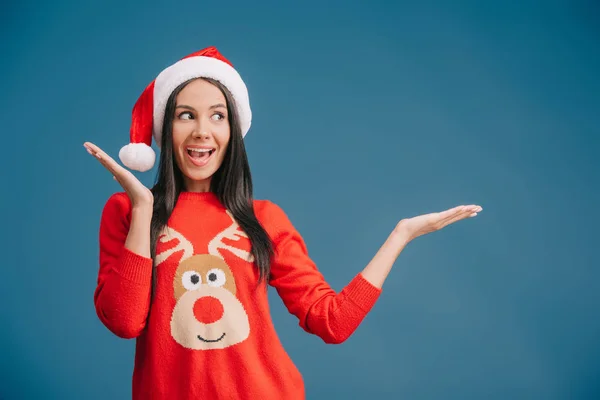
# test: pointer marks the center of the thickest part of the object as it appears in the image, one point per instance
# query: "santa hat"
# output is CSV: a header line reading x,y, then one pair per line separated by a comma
x,y
149,110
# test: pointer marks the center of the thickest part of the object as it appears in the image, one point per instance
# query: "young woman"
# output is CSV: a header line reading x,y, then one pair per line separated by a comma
x,y
184,266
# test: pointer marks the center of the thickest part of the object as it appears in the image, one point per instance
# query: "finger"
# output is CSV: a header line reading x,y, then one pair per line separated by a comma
x,y
476,210
91,148
450,212
449,215
458,217
106,160
97,151
94,150
437,219
467,212
453,212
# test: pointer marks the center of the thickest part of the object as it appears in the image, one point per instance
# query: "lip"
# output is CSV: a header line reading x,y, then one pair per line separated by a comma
x,y
203,162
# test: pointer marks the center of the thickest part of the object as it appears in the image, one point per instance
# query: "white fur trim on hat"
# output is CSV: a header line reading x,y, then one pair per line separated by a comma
x,y
137,156
194,67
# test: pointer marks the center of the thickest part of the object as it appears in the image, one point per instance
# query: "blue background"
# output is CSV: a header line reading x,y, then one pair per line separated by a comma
x,y
364,113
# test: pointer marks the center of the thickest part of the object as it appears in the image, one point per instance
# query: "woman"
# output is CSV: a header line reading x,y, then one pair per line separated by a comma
x,y
183,266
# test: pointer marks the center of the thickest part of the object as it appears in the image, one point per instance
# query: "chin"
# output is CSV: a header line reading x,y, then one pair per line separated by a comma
x,y
199,177
197,173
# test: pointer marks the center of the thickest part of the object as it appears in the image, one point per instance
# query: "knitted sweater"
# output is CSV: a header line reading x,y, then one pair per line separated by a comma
x,y
208,333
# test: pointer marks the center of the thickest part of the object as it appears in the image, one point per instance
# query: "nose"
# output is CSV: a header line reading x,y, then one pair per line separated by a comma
x,y
208,309
201,134
202,129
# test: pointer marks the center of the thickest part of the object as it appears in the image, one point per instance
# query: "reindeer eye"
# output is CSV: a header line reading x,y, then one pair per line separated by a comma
x,y
215,277
191,280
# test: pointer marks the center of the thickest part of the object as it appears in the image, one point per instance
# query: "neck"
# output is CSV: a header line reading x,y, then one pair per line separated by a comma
x,y
202,186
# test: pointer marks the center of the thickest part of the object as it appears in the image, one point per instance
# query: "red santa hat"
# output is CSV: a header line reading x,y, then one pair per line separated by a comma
x,y
149,110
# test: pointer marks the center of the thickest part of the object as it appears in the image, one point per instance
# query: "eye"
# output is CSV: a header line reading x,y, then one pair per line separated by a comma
x,y
185,115
191,280
218,117
215,277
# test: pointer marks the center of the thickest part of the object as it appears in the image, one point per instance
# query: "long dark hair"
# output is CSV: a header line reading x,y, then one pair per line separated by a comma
x,y
231,183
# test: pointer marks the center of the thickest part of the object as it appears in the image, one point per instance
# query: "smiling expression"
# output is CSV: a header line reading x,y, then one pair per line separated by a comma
x,y
207,315
201,133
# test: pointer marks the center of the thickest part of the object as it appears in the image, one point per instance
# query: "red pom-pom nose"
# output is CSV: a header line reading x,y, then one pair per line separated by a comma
x,y
208,309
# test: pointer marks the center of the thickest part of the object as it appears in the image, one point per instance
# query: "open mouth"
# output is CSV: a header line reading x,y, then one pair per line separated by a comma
x,y
211,341
200,157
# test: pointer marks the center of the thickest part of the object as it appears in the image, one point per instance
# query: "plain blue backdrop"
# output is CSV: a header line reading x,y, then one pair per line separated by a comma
x,y
364,113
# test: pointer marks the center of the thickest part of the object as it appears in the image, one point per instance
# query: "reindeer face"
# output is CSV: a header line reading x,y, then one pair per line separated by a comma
x,y
207,314
202,269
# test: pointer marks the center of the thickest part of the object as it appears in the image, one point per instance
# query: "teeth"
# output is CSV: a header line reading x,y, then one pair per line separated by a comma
x,y
200,150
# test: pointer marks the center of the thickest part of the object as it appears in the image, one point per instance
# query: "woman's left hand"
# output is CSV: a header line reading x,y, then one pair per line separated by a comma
x,y
412,228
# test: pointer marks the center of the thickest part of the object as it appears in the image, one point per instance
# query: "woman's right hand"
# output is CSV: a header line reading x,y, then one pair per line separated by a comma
x,y
139,194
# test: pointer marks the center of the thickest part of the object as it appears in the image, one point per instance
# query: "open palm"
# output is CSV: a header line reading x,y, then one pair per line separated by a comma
x,y
139,194
427,223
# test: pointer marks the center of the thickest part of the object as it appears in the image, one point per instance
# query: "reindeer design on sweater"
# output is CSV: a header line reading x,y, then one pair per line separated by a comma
x,y
207,314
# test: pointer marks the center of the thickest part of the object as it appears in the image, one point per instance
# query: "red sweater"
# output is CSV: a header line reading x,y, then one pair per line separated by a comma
x,y
208,333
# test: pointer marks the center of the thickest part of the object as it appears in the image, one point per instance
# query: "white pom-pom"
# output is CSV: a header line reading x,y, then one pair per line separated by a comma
x,y
137,156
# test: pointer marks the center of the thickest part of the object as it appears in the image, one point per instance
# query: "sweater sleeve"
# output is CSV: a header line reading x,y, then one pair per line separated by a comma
x,y
122,295
320,310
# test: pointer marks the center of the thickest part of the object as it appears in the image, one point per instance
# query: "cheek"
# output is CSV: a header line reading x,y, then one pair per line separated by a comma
x,y
222,137
179,136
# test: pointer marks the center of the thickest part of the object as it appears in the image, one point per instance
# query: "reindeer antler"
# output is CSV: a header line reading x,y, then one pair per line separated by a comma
x,y
233,233
168,234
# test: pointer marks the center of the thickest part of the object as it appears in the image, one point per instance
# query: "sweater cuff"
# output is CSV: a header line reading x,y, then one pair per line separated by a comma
x,y
134,267
362,293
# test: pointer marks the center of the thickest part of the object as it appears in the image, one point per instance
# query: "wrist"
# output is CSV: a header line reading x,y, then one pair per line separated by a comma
x,y
142,210
400,237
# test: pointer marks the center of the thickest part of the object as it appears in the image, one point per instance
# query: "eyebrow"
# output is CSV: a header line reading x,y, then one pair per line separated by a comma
x,y
219,105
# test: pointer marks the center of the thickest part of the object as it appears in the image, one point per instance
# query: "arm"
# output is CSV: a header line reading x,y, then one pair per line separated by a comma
x,y
122,295
378,269
320,310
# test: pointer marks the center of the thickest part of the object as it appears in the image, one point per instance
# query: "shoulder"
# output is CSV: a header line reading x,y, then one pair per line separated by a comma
x,y
267,209
272,217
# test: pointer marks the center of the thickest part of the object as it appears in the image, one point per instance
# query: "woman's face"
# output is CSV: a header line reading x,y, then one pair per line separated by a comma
x,y
200,133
